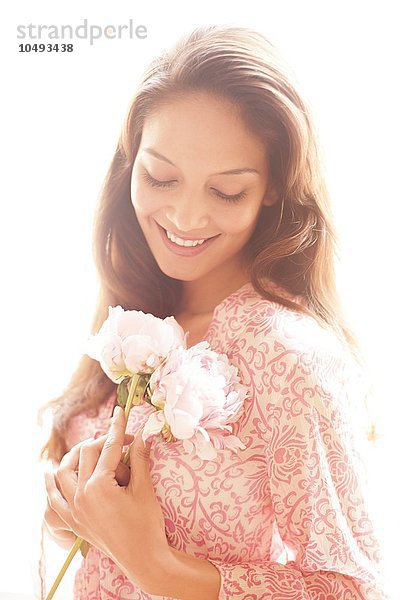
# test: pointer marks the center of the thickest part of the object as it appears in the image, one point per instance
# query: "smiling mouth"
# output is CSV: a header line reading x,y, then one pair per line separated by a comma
x,y
182,250
208,238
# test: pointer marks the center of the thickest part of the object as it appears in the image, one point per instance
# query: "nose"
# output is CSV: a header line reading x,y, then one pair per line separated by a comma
x,y
188,217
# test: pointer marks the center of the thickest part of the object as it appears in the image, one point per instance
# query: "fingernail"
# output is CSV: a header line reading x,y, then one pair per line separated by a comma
x,y
117,410
88,440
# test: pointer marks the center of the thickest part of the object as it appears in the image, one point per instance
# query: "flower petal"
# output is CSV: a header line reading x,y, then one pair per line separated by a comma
x,y
154,424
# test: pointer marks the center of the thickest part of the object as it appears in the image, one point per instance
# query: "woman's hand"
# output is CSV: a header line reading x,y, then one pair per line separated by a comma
x,y
125,523
57,528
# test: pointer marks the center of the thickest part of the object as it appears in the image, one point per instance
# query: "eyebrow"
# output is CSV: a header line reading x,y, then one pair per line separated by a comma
x,y
229,172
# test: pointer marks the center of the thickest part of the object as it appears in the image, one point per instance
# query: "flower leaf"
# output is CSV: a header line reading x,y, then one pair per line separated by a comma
x,y
84,548
122,392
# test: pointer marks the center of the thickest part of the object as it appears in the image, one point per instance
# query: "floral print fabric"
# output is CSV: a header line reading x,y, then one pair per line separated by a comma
x,y
286,518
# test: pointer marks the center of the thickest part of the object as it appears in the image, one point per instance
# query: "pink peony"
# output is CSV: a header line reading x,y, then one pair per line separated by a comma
x,y
131,341
197,394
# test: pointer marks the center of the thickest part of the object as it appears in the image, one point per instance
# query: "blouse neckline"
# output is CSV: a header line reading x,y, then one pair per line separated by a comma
x,y
248,285
219,306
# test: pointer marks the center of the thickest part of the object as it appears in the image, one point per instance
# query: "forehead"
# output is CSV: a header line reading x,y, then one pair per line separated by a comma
x,y
203,128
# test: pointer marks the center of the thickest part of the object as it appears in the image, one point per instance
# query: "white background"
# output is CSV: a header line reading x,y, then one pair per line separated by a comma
x,y
60,120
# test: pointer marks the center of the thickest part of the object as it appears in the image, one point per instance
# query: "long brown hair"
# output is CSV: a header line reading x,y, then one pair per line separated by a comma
x,y
294,243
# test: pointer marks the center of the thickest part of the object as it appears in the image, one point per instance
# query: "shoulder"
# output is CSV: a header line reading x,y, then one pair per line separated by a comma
x,y
247,319
283,351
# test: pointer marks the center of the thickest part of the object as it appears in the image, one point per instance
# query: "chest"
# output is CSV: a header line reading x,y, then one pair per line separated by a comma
x,y
211,505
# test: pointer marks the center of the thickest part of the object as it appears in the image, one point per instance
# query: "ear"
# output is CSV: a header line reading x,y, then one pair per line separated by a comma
x,y
269,199
270,196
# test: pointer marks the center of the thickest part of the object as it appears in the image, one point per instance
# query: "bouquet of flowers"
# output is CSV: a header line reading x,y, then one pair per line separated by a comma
x,y
195,392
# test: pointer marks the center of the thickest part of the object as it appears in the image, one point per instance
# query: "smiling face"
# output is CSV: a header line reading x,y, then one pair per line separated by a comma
x,y
180,181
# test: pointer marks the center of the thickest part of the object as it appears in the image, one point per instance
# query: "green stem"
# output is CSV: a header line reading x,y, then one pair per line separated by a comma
x,y
132,394
65,566
134,397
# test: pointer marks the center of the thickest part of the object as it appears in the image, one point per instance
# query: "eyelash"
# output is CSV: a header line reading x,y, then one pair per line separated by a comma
x,y
163,184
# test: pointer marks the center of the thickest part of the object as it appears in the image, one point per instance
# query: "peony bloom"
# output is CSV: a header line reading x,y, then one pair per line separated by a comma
x,y
197,394
131,341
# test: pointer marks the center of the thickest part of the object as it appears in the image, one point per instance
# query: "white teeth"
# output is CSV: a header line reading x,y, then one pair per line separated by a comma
x,y
181,242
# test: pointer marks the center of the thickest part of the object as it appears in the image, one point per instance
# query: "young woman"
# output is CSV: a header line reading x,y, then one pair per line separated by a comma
x,y
215,211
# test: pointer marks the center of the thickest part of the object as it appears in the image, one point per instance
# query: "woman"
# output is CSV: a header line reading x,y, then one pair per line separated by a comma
x,y
215,211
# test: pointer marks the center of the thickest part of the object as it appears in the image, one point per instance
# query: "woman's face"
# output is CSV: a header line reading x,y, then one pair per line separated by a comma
x,y
180,183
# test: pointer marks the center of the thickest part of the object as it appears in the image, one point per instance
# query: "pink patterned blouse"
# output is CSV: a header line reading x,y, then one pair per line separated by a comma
x,y
286,518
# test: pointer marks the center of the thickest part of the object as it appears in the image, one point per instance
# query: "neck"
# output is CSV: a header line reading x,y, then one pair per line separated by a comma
x,y
201,296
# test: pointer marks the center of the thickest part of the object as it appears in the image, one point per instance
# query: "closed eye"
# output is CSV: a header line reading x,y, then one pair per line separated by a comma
x,y
155,182
232,198
166,184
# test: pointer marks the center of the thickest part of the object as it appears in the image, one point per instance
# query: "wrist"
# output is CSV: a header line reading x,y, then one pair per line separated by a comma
x,y
182,575
150,572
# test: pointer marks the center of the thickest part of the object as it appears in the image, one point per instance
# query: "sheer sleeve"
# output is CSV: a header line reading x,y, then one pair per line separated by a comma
x,y
301,390
81,426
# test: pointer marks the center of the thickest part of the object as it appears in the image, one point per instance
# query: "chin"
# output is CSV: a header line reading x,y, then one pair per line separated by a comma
x,y
182,274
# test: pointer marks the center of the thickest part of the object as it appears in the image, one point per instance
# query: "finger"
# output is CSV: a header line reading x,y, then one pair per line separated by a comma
x,y
66,475
62,536
88,459
55,498
110,455
101,438
53,519
56,526
68,472
139,461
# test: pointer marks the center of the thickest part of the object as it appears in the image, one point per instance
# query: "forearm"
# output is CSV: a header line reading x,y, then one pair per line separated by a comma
x,y
181,576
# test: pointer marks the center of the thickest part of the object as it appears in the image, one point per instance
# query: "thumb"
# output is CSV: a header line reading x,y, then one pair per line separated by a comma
x,y
139,460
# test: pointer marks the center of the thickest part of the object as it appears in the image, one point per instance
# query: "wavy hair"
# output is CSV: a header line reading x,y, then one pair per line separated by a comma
x,y
294,243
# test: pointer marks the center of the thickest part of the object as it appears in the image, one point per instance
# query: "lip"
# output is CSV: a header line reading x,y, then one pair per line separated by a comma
x,y
184,250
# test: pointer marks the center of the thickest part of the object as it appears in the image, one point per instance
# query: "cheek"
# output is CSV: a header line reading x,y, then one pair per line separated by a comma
x,y
143,201
238,220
